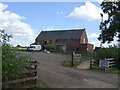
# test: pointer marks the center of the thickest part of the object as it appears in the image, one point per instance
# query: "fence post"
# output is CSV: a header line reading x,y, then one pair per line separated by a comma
x,y
72,60
90,63
36,68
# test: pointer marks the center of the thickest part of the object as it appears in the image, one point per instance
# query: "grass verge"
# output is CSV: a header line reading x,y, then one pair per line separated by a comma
x,y
42,84
99,69
19,48
67,63
63,53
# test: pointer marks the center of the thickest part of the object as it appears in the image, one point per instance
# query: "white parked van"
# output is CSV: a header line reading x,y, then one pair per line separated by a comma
x,y
34,48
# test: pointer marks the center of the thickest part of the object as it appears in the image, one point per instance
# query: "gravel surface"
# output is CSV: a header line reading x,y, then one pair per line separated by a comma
x,y
51,71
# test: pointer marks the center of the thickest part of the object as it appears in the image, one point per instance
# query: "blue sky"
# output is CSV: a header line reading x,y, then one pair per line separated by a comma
x,y
42,15
25,20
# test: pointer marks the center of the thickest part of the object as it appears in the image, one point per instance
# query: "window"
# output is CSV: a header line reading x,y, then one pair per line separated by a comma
x,y
77,49
64,48
83,40
46,42
87,49
32,46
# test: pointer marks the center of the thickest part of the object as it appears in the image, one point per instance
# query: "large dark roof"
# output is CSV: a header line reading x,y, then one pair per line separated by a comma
x,y
60,34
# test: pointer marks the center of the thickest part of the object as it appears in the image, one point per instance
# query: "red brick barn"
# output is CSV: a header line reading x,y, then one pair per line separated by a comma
x,y
66,40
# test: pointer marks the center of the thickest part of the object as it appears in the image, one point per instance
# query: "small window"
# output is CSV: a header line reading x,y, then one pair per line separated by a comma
x,y
83,40
77,49
64,48
46,42
87,49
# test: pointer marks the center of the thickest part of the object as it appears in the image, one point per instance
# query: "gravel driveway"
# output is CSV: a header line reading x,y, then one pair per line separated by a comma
x,y
51,71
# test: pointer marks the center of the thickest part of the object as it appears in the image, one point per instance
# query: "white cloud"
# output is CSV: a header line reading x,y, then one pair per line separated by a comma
x,y
92,38
2,7
12,24
88,12
100,1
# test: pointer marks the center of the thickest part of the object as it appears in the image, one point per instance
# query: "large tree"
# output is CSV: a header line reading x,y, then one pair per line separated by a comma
x,y
110,28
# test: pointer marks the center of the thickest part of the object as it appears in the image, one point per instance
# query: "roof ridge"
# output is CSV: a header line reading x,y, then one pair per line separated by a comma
x,y
65,30
61,34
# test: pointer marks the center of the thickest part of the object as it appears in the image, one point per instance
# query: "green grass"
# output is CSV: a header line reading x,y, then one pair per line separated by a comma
x,y
42,84
63,53
67,63
99,69
19,48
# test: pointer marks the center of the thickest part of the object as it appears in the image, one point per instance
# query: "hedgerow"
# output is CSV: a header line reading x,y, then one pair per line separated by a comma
x,y
12,63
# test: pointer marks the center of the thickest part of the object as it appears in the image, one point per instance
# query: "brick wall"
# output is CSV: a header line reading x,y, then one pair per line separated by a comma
x,y
86,48
84,38
90,48
72,45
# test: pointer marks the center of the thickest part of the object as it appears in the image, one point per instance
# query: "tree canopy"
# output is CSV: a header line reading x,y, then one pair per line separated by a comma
x,y
110,28
4,37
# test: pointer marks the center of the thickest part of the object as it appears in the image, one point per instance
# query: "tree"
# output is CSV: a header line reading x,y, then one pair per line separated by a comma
x,y
18,46
4,37
11,64
50,47
111,27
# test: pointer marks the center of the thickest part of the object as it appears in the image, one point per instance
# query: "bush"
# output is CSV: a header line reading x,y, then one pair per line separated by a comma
x,y
11,63
111,52
102,53
50,47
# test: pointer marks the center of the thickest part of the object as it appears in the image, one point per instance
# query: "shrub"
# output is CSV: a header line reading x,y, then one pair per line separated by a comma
x,y
11,63
50,47
18,46
111,52
102,53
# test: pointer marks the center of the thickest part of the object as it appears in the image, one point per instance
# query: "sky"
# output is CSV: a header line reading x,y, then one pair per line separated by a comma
x,y
25,20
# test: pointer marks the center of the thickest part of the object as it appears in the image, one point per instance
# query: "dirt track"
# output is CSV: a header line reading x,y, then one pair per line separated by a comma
x,y
51,71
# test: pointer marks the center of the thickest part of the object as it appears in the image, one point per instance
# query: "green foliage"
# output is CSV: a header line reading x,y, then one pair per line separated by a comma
x,y
101,70
102,53
50,47
4,37
12,65
19,48
111,27
111,52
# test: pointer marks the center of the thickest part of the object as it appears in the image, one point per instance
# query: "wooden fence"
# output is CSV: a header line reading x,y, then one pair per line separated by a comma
x,y
107,64
111,63
27,79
